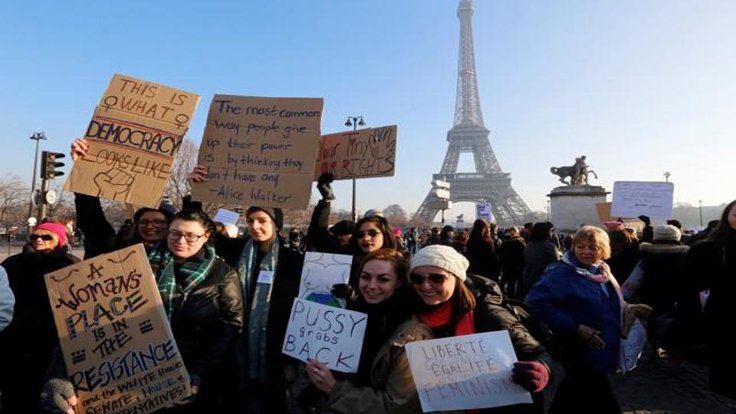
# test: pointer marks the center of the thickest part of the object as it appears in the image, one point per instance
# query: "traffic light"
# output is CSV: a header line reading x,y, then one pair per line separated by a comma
x,y
49,164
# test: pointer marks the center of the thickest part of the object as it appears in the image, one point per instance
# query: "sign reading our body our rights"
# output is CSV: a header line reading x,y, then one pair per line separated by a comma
x,y
118,346
333,336
649,198
260,151
134,135
358,154
465,372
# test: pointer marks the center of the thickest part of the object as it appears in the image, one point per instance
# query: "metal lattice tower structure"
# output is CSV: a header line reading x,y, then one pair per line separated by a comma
x,y
468,134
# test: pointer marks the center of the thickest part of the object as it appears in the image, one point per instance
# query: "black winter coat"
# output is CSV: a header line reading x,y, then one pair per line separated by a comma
x,y
715,266
27,344
206,322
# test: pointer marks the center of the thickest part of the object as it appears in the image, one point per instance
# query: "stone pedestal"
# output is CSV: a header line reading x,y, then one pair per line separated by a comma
x,y
571,206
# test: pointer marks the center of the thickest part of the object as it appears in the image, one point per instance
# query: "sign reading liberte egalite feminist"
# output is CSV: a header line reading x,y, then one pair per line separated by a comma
x,y
134,135
260,151
118,346
465,372
358,154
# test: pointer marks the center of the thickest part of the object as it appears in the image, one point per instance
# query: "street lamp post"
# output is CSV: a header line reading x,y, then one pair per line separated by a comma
x,y
700,208
37,136
354,121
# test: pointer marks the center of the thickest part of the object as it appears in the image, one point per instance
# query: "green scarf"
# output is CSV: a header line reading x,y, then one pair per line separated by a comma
x,y
194,270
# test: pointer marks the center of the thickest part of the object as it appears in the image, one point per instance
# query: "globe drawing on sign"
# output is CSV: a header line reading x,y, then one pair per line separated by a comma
x,y
320,273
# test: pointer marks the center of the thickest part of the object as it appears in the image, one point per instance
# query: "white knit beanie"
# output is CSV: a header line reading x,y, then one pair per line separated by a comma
x,y
441,256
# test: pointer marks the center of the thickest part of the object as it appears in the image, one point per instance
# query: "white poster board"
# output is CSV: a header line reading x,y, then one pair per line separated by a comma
x,y
225,216
333,336
320,272
649,198
465,372
483,211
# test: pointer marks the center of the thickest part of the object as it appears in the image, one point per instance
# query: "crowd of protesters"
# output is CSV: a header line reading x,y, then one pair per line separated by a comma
x,y
227,299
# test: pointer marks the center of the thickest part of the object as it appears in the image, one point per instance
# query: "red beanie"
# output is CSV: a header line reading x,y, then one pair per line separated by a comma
x,y
58,229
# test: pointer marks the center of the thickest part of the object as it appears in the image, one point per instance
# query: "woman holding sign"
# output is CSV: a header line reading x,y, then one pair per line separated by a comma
x,y
383,383
269,276
27,345
454,303
149,224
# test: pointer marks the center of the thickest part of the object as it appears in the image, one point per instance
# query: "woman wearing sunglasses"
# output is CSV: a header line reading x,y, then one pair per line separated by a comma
x,y
371,234
27,344
383,382
453,303
149,224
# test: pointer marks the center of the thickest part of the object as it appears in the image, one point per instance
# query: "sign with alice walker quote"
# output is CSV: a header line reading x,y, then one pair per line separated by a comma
x,y
465,372
333,336
134,135
118,347
260,151
358,154
636,198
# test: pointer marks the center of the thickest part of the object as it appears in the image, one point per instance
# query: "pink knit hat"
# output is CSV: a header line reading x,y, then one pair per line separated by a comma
x,y
58,229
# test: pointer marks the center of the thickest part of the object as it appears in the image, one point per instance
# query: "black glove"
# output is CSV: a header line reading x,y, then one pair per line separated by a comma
x,y
344,291
324,187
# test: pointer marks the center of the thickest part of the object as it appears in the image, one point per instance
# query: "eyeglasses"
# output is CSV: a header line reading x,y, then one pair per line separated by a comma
x,y
190,238
370,232
44,237
434,278
155,223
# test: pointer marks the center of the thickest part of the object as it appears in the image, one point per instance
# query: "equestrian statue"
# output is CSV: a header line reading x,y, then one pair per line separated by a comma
x,y
578,172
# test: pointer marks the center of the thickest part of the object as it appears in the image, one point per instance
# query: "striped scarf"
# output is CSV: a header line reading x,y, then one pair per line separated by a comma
x,y
258,303
194,270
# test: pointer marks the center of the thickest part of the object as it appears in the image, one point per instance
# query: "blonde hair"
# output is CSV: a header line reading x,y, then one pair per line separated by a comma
x,y
594,235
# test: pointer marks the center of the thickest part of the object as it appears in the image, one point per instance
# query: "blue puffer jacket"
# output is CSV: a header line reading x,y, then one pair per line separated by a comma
x,y
565,298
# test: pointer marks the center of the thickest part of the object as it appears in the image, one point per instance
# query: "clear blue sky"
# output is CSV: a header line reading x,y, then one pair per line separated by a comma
x,y
640,87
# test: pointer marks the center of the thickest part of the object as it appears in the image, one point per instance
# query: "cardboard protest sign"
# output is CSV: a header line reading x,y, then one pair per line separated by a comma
x,y
358,154
134,135
260,151
465,372
320,272
333,336
118,347
649,198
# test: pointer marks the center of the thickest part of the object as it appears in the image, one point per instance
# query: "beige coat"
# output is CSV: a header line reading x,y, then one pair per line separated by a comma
x,y
393,389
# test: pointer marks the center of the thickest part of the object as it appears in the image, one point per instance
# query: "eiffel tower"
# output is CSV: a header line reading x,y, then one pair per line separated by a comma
x,y
468,134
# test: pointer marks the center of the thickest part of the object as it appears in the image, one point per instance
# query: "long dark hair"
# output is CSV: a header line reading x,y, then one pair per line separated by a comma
x,y
463,301
723,230
389,241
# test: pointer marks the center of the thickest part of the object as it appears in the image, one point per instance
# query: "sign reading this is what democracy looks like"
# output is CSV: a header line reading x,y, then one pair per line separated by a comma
x,y
260,151
118,346
358,154
134,135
